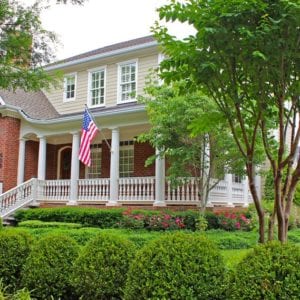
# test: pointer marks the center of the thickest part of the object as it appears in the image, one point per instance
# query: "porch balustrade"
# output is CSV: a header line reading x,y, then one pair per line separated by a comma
x,y
54,190
93,189
132,190
137,188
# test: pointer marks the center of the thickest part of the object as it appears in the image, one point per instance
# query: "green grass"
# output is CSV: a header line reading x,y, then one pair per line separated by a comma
x,y
233,257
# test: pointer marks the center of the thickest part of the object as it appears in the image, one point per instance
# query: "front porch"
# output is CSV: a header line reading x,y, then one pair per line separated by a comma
x,y
131,191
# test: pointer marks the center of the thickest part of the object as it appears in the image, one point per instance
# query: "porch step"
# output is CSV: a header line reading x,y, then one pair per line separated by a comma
x,y
10,221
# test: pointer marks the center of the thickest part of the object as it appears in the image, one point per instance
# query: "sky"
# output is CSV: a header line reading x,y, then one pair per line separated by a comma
x,y
99,23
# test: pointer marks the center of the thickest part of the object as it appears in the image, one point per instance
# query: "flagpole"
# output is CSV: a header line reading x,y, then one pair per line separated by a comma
x,y
108,145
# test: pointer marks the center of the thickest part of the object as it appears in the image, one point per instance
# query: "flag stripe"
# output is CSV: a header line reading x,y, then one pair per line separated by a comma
x,y
89,131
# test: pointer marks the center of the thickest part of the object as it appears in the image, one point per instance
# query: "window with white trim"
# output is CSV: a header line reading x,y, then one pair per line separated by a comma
x,y
126,159
69,87
237,178
94,171
127,81
97,87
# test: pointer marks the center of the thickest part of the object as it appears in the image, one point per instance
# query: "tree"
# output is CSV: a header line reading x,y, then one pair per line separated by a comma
x,y
192,149
25,46
245,56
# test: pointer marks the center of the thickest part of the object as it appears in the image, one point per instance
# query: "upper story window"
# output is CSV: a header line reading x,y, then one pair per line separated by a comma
x,y
96,87
127,81
70,87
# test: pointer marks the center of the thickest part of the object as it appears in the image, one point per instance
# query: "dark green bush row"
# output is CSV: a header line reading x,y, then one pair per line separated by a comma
x,y
138,219
102,218
175,266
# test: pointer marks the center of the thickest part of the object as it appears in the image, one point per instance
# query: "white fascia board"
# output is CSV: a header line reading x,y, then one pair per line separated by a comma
x,y
100,56
76,117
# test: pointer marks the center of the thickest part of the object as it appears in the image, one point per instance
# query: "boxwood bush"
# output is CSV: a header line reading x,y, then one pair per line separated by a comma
x,y
48,268
14,249
103,218
270,271
176,266
41,224
100,270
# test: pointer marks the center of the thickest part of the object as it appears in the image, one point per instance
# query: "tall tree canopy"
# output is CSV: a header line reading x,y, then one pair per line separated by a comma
x,y
25,45
245,56
192,146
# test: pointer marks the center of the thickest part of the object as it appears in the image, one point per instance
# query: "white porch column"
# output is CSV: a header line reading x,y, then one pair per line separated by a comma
x,y
159,180
228,179
74,169
114,168
257,180
21,161
42,158
245,192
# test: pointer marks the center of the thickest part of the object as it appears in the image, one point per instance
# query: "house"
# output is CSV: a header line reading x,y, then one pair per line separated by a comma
x,y
40,137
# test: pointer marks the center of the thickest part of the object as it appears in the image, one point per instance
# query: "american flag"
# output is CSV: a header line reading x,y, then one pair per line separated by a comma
x,y
89,131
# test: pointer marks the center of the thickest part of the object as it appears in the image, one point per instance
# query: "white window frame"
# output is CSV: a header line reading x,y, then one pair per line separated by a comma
x,y
91,71
126,147
120,65
65,87
94,148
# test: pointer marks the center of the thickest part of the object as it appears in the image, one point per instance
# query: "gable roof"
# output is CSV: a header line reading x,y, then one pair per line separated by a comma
x,y
34,104
110,50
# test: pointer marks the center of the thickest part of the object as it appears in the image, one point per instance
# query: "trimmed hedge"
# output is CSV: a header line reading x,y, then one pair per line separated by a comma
x,y
14,249
177,266
271,271
41,224
100,270
102,218
47,271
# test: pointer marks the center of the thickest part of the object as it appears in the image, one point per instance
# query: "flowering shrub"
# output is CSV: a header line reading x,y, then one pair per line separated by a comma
x,y
151,220
164,222
234,221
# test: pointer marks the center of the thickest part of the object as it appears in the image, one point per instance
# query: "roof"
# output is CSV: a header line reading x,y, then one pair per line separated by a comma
x,y
105,50
34,104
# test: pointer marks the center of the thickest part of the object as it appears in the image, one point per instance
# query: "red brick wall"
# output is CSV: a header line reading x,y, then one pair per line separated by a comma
x,y
31,159
141,152
9,148
51,161
105,168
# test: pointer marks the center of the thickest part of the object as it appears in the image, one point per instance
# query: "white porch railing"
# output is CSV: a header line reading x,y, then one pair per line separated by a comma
x,y
187,192
137,188
18,197
131,190
50,190
93,189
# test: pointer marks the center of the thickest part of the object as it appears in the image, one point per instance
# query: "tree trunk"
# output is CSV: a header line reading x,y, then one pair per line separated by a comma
x,y
257,203
271,226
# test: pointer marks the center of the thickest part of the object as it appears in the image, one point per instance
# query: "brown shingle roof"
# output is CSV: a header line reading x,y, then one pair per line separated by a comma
x,y
114,47
34,104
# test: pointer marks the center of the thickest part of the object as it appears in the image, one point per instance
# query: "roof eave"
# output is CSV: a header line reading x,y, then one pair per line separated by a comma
x,y
66,119
101,56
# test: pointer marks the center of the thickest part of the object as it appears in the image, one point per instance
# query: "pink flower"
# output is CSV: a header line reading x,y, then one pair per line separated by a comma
x,y
238,225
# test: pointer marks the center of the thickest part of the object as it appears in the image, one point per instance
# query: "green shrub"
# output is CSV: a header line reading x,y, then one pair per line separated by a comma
x,y
14,249
103,218
176,266
212,220
270,271
48,268
1,224
100,270
41,224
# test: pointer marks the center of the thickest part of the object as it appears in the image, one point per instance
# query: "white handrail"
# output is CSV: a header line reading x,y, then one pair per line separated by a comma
x,y
18,197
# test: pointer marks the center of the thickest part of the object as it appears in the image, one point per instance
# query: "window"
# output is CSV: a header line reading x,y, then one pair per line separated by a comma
x,y
126,158
97,87
69,87
94,171
237,178
127,82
